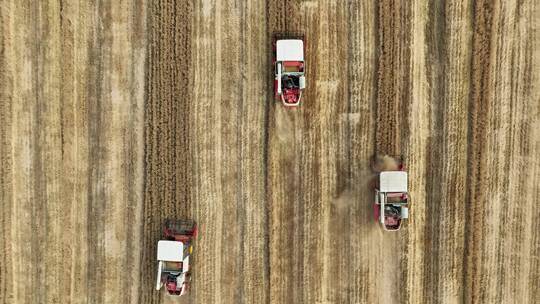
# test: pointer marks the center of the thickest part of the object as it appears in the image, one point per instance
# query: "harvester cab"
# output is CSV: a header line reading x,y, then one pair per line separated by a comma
x,y
173,253
289,80
391,199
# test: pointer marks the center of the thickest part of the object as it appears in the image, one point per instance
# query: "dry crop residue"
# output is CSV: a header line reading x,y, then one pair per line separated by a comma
x,y
71,125
111,122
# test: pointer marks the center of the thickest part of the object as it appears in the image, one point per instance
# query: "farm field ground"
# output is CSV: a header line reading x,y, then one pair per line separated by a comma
x,y
115,115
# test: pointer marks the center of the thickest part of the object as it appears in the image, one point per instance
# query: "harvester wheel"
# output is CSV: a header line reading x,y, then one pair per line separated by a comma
x,y
373,183
376,211
195,231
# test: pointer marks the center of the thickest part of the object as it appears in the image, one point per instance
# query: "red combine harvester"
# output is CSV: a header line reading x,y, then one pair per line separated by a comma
x,y
289,79
173,254
391,195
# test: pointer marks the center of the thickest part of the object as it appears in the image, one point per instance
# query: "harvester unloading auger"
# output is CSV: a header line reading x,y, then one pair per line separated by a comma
x,y
391,192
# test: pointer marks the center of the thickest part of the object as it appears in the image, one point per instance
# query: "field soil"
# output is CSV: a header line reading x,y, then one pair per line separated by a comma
x,y
116,115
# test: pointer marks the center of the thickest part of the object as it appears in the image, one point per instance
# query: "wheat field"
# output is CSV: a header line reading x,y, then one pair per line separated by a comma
x,y
115,115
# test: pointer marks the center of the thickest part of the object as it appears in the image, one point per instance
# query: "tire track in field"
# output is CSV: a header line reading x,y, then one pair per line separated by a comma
x,y
225,120
280,195
479,107
69,73
533,248
292,268
513,144
304,162
126,55
447,68
326,120
97,179
7,67
304,209
215,198
417,158
252,208
391,130
168,170
362,69
230,159
502,173
338,190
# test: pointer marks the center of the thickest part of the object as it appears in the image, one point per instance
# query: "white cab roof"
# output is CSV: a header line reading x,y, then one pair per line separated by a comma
x,y
393,181
171,251
290,50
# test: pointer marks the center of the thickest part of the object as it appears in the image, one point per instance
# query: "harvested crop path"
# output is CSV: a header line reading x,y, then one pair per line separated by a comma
x,y
71,124
115,116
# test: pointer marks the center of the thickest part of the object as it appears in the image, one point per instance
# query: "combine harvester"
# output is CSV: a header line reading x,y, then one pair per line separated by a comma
x,y
391,194
173,253
289,79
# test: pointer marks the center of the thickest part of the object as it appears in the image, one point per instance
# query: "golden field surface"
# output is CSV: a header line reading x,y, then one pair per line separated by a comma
x,y
115,115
